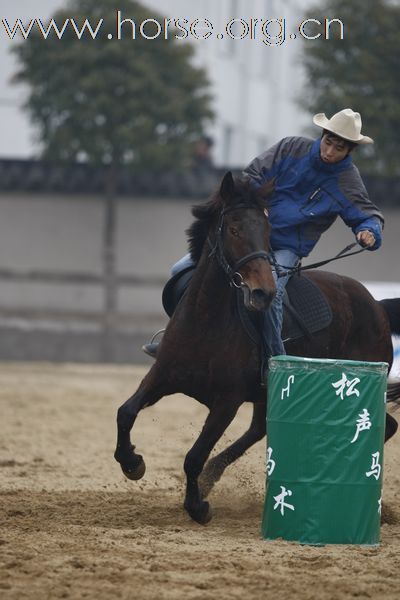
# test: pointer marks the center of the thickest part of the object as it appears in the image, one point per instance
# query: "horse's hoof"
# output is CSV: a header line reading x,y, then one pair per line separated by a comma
x,y
132,465
135,473
202,514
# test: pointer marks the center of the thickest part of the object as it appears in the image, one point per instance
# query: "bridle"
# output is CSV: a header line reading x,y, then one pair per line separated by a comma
x,y
217,251
232,271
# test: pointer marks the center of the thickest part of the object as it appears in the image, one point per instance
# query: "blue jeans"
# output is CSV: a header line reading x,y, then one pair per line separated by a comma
x,y
273,317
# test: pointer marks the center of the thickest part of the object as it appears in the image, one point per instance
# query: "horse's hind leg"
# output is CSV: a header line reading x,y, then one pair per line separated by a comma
x,y
132,464
391,427
216,466
221,415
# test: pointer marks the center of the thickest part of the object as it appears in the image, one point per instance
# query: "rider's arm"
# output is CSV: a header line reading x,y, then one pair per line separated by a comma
x,y
358,211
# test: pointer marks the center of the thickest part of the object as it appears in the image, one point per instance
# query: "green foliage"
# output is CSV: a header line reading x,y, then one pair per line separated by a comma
x,y
359,72
105,101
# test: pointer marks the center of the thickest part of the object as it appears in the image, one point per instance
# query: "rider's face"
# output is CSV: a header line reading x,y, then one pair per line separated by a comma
x,y
333,149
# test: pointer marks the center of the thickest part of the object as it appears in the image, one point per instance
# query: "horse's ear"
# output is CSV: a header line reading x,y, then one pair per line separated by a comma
x,y
227,189
267,188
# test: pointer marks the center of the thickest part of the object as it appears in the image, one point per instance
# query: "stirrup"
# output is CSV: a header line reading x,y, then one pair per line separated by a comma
x,y
152,348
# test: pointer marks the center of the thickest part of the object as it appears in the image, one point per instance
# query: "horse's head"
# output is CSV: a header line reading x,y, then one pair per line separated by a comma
x,y
241,240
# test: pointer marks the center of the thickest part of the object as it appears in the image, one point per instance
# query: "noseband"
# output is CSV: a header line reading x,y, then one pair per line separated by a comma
x,y
217,250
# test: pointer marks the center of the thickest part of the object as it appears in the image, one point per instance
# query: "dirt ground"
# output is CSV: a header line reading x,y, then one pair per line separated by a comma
x,y
72,527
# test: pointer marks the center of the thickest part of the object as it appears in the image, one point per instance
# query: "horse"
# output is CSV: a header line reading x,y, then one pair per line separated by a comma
x,y
206,354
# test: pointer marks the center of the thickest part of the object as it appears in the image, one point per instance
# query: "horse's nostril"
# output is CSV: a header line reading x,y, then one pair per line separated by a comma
x,y
260,299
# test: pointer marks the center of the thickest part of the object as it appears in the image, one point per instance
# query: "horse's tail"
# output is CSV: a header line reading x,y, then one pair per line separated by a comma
x,y
392,308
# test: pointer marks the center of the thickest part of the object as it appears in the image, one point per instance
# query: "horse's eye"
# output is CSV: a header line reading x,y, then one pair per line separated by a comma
x,y
234,231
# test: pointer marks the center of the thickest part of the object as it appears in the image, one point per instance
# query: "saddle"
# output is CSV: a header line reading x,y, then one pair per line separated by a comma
x,y
175,288
306,309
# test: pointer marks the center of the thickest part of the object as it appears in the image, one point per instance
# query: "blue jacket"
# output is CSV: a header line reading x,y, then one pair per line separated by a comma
x,y
309,194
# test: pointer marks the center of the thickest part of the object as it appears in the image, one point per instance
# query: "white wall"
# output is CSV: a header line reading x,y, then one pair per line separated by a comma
x,y
381,290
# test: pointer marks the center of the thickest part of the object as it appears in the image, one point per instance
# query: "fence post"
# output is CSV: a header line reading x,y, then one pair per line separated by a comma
x,y
109,267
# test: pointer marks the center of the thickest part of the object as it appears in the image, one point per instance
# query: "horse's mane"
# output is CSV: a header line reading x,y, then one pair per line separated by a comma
x,y
205,214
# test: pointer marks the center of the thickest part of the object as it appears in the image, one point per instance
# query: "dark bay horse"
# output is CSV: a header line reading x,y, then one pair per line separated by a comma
x,y
206,354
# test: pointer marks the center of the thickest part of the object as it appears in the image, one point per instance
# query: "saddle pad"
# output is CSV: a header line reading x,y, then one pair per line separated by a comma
x,y
309,303
305,311
303,301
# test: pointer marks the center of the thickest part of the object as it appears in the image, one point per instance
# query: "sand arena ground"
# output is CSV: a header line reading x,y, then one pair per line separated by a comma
x,y
72,527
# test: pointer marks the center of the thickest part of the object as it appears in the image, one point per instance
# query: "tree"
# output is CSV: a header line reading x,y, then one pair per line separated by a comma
x,y
112,102
119,101
359,71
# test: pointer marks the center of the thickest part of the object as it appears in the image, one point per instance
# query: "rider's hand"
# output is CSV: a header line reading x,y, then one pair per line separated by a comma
x,y
365,239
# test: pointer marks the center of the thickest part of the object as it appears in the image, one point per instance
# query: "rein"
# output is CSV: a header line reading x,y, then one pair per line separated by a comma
x,y
232,271
217,250
342,254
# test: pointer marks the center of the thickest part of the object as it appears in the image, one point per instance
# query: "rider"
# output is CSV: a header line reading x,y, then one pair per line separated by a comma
x,y
314,182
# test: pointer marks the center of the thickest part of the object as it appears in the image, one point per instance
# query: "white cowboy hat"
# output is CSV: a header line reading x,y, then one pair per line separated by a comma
x,y
346,124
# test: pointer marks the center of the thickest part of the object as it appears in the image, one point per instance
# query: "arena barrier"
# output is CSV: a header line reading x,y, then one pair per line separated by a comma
x,y
325,436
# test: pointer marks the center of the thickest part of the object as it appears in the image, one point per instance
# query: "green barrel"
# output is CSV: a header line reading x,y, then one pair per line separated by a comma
x,y
325,435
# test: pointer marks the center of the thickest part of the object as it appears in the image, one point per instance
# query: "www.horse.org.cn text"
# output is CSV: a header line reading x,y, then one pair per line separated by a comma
x,y
271,32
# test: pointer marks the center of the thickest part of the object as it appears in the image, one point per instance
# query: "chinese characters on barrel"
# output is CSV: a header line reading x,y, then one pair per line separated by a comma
x,y
347,385
362,423
270,462
280,500
286,390
344,388
375,466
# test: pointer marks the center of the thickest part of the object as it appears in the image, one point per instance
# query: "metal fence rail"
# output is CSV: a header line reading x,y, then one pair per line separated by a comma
x,y
78,278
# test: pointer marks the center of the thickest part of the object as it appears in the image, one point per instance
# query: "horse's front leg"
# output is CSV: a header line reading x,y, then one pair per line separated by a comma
x,y
216,466
132,464
221,414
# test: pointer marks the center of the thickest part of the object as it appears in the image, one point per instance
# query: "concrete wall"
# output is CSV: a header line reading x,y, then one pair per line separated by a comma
x,y
63,234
